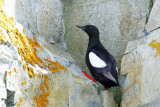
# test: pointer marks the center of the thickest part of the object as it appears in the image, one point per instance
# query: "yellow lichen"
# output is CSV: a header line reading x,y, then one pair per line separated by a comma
x,y
156,45
40,75
15,70
24,82
24,66
27,47
2,36
23,30
30,71
18,105
21,100
10,72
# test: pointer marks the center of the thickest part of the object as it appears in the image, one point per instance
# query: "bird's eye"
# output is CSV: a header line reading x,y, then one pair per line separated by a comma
x,y
91,27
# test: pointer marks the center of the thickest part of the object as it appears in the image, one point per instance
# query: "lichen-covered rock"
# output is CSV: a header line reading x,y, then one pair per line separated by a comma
x,y
65,88
41,17
141,71
31,75
119,21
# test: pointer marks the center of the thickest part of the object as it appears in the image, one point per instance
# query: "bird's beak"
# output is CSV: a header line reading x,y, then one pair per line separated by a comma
x,y
81,27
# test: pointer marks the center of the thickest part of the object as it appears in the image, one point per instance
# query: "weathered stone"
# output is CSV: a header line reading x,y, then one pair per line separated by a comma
x,y
141,88
154,21
69,88
107,98
31,75
119,21
41,17
83,93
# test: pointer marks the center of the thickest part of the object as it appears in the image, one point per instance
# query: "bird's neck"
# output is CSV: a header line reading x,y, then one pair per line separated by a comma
x,y
93,41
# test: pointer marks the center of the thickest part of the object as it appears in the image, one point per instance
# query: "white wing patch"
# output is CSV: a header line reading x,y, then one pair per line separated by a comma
x,y
117,69
96,61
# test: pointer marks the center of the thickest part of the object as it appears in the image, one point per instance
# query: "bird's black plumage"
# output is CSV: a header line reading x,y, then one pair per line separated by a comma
x,y
106,75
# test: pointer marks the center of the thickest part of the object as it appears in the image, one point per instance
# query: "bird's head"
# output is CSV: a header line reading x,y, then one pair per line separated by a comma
x,y
90,30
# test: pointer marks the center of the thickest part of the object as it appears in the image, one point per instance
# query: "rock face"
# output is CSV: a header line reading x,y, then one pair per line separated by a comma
x,y
69,88
34,74
41,17
119,21
154,21
63,89
140,87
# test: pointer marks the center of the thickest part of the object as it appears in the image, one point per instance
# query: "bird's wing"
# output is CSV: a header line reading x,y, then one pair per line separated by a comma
x,y
110,76
103,63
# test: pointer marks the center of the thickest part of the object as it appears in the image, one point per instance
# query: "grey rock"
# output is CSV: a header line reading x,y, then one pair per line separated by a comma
x,y
141,86
154,21
41,17
119,22
107,98
68,88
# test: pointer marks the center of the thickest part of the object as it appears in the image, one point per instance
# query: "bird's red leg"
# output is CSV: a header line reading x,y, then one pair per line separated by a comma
x,y
106,88
84,72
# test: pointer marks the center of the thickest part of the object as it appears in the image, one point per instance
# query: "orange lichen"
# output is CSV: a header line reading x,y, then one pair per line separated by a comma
x,y
18,105
2,36
15,70
23,30
156,45
40,75
21,100
47,86
24,66
10,72
42,86
45,81
55,66
42,100
27,47
30,71
24,82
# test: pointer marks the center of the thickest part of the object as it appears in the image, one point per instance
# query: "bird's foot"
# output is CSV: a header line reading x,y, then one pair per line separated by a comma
x,y
88,76
106,88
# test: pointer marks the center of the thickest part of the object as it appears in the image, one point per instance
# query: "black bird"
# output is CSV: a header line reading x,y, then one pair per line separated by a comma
x,y
100,62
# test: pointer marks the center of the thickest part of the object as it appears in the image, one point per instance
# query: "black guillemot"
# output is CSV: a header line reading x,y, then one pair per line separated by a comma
x,y
100,62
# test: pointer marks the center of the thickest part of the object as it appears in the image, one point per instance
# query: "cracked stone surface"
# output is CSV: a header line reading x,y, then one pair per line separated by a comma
x,y
41,17
31,85
154,20
141,67
119,22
